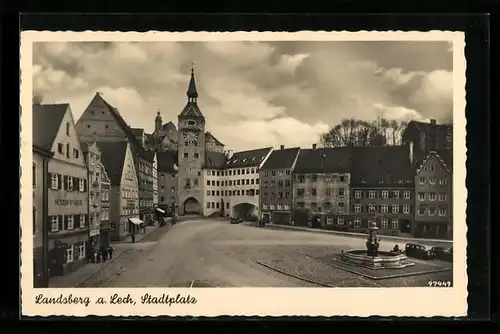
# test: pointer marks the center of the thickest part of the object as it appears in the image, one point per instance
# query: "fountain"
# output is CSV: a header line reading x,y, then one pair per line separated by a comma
x,y
372,258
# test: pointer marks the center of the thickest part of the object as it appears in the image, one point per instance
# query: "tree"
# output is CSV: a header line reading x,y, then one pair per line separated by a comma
x,y
357,133
37,98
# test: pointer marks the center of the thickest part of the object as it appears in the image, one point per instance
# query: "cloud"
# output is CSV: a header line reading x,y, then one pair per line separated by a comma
x,y
252,94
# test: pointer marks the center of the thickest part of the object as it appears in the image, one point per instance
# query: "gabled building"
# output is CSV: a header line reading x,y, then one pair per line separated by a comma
x,y
231,183
54,131
276,188
433,190
428,137
155,179
92,156
213,144
382,188
103,121
321,179
105,233
118,161
167,180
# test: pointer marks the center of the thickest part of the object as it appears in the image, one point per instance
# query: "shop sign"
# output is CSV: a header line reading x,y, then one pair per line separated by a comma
x,y
94,231
69,202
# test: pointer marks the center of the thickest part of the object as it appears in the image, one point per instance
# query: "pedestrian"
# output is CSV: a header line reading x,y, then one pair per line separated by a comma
x,y
110,252
104,254
133,237
143,228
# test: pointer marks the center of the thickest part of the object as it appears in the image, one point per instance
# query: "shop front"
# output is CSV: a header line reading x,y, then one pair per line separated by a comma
x,y
67,253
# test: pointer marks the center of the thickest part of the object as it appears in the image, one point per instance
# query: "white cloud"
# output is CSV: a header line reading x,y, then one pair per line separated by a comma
x,y
289,63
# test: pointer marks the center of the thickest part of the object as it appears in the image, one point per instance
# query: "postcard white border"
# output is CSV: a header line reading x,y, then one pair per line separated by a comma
x,y
418,302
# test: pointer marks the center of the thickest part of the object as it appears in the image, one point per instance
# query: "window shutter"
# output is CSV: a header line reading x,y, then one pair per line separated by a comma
x,y
59,181
86,220
49,178
76,184
84,185
76,221
61,223
65,222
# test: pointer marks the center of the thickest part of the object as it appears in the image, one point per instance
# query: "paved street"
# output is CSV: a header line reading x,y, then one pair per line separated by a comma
x,y
215,253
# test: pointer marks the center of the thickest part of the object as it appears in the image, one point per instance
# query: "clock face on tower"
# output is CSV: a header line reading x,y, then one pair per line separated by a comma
x,y
190,136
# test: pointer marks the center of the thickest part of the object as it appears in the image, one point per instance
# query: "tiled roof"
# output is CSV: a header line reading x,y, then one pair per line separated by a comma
x,y
209,136
191,110
215,160
381,166
136,146
85,146
113,157
323,160
47,119
169,125
248,158
446,155
166,161
137,132
282,158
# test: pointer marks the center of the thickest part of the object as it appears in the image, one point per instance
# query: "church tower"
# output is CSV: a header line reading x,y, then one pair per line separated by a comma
x,y
191,153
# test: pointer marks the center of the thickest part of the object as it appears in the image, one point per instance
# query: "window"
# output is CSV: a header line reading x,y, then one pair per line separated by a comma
x,y
432,212
406,209
213,205
432,196
60,148
371,208
443,181
357,222
357,194
196,155
357,208
395,223
313,192
395,208
208,205
384,223
342,178
67,150
82,221
67,129
341,192
442,212
421,196
81,186
71,223
385,194
208,192
371,194
442,197
301,178
432,180
34,174
68,255
432,168
407,194
396,194
421,211
340,221
76,153
287,206
329,220
80,248
195,181
185,155
421,180
385,208
54,181
34,219
54,223
69,183
300,192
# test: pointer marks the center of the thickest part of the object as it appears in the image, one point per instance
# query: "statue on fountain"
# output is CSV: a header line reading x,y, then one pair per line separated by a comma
x,y
373,241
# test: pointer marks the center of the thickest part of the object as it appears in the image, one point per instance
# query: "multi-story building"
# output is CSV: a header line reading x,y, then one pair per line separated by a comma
x,y
155,180
321,179
231,183
165,136
428,137
92,156
102,120
118,161
55,131
41,159
433,195
167,180
105,235
382,188
276,189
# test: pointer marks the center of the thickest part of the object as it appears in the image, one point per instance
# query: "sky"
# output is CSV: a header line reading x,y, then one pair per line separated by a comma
x,y
253,94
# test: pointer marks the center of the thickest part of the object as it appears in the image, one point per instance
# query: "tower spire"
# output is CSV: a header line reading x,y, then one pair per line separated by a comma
x,y
192,93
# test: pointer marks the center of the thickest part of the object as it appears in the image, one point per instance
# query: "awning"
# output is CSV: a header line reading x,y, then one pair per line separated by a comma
x,y
135,221
160,210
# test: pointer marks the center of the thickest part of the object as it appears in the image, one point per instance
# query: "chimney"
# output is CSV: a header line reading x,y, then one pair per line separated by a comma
x,y
314,146
282,147
410,145
433,121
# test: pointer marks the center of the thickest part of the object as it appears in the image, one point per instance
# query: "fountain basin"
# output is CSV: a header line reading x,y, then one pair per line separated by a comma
x,y
383,260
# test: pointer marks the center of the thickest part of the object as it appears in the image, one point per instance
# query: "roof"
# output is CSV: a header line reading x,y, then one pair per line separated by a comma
x,y
47,119
323,160
381,165
113,157
282,158
191,110
166,161
137,132
250,158
192,92
104,173
428,128
136,146
169,125
445,155
215,160
41,151
85,146
209,135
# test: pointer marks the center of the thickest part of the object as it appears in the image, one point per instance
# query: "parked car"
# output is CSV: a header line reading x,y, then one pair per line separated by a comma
x,y
443,253
419,251
235,220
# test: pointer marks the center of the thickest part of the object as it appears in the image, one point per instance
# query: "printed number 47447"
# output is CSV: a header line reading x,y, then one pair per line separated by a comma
x,y
439,283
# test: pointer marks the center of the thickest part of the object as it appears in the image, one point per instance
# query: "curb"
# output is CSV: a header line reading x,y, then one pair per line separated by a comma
x,y
100,268
294,276
354,234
